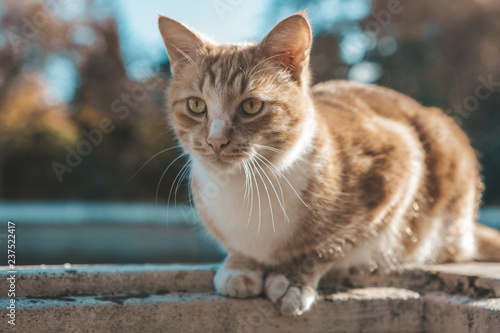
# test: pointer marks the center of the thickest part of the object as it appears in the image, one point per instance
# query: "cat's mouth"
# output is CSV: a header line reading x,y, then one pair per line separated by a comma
x,y
223,161
228,160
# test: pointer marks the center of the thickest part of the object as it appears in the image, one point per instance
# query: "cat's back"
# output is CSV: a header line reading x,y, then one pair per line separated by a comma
x,y
348,106
382,134
358,100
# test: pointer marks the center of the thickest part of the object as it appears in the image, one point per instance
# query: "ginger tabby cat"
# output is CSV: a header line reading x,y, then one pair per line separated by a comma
x,y
336,175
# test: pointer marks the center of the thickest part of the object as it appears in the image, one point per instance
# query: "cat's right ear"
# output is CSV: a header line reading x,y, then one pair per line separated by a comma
x,y
182,44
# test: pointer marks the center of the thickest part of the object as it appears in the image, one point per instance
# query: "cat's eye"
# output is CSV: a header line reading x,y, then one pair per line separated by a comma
x,y
196,105
252,105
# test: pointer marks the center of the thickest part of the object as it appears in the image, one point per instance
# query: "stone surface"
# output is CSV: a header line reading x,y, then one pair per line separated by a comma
x,y
77,280
455,313
475,279
388,310
180,298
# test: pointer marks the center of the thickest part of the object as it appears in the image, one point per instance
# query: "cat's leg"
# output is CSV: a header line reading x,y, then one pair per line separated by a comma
x,y
240,277
292,286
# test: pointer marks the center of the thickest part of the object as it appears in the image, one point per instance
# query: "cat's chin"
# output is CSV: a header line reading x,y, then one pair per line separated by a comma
x,y
229,166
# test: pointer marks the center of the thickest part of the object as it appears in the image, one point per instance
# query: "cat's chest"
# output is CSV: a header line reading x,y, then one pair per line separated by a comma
x,y
255,216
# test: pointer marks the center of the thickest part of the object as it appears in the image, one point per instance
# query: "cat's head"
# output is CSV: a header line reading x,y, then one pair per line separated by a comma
x,y
230,103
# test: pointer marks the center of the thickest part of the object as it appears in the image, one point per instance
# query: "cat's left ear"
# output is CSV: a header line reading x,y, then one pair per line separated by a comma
x,y
289,43
182,43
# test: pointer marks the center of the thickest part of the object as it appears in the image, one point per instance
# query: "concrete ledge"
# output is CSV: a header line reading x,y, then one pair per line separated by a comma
x,y
180,298
81,280
455,313
207,312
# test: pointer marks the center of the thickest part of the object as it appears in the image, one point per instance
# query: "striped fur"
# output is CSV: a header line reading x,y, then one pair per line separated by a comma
x,y
337,175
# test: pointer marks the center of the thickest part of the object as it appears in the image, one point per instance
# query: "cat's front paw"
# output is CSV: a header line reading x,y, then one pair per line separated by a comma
x,y
291,299
238,283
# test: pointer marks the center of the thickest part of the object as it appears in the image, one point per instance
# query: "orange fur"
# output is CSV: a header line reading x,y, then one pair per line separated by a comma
x,y
338,175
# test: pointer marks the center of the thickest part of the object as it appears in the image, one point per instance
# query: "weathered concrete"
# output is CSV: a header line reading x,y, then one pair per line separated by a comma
x,y
455,313
372,310
180,298
58,281
476,279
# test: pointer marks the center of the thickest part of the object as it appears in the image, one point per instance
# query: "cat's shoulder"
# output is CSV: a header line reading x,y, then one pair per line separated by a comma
x,y
361,101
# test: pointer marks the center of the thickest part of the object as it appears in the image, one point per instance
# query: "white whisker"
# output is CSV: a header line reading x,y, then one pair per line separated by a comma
x,y
281,152
163,175
250,190
267,192
251,193
181,171
190,191
251,198
286,179
282,204
181,179
258,195
161,152
245,185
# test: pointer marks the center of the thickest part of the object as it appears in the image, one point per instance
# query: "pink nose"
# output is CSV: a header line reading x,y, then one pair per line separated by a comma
x,y
217,143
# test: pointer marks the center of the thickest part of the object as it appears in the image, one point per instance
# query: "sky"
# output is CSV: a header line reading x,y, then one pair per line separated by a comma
x,y
222,20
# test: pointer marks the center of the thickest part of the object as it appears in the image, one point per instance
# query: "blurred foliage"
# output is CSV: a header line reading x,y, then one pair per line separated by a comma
x,y
38,132
438,52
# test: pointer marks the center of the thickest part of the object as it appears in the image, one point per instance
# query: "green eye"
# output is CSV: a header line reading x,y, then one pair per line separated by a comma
x,y
196,105
252,105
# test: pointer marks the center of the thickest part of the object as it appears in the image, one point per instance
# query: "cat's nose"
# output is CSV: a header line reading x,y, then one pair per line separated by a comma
x,y
217,137
217,144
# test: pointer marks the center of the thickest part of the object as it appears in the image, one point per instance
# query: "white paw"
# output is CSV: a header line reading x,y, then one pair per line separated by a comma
x,y
293,300
238,283
297,300
276,287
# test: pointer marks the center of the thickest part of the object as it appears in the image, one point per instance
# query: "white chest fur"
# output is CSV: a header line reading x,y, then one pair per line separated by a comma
x,y
254,224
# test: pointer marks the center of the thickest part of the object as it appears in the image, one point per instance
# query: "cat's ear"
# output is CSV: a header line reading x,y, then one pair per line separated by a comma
x,y
182,43
289,42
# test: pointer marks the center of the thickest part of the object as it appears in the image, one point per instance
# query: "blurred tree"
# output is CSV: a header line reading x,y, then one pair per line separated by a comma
x,y
34,133
39,133
31,33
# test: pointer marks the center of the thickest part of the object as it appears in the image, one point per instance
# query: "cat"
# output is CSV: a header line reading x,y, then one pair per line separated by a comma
x,y
332,176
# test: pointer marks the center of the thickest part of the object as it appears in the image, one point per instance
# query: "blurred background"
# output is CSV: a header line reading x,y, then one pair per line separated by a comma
x,y
82,108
